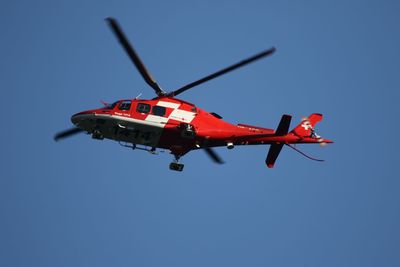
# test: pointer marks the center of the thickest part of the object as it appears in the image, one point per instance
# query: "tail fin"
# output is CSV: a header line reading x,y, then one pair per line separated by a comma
x,y
306,127
275,149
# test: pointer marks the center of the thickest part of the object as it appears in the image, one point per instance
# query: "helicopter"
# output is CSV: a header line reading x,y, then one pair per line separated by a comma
x,y
168,123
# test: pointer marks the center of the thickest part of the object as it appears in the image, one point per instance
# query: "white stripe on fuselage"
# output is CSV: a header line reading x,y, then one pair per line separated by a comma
x,y
157,119
153,120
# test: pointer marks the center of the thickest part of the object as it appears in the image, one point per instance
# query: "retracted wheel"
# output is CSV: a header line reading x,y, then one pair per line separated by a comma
x,y
97,135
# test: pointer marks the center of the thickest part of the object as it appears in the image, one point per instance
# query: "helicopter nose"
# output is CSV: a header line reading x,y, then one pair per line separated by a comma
x,y
79,117
76,118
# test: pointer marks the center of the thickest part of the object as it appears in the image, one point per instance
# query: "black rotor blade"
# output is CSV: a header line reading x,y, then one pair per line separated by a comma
x,y
213,155
223,71
67,133
134,56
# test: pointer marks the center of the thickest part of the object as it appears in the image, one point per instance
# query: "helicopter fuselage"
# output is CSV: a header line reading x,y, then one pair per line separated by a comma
x,y
173,124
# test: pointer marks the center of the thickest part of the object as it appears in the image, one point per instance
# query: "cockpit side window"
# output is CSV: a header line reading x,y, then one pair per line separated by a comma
x,y
143,108
159,111
125,105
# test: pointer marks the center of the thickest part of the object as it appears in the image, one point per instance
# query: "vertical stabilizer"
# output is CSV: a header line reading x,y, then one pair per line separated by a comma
x,y
306,127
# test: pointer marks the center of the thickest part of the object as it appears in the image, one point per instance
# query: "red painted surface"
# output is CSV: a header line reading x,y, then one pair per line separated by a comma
x,y
210,131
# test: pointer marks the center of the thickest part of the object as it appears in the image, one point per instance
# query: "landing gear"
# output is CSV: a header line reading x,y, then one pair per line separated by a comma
x,y
175,165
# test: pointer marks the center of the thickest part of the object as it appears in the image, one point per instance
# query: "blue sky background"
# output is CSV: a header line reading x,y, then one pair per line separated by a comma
x,y
83,202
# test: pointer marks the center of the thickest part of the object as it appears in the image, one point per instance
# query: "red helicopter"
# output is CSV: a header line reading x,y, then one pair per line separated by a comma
x,y
166,122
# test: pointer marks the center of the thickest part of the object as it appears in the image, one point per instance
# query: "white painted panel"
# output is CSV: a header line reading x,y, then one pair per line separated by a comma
x,y
157,119
182,115
168,104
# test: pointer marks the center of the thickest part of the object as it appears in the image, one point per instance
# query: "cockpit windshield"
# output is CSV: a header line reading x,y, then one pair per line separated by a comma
x,y
111,106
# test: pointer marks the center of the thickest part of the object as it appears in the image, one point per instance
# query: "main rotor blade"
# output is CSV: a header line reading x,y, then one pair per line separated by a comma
x,y
134,56
223,71
67,133
213,155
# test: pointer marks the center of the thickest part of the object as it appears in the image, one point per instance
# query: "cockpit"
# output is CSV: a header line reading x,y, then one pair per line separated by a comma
x,y
110,106
143,108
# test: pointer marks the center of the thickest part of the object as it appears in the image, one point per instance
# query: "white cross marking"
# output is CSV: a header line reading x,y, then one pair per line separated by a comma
x,y
306,125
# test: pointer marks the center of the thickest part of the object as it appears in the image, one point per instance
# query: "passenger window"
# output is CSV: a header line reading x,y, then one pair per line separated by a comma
x,y
159,111
143,108
125,105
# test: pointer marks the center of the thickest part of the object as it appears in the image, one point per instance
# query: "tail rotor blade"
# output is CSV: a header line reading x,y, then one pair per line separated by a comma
x,y
213,155
67,133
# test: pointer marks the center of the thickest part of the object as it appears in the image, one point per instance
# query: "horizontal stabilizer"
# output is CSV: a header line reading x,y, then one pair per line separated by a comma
x,y
283,126
273,154
275,149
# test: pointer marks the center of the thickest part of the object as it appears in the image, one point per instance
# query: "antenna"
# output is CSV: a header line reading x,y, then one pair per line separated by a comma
x,y
302,153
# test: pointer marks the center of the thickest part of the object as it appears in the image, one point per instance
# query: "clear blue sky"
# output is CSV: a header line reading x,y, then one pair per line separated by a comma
x,y
82,202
